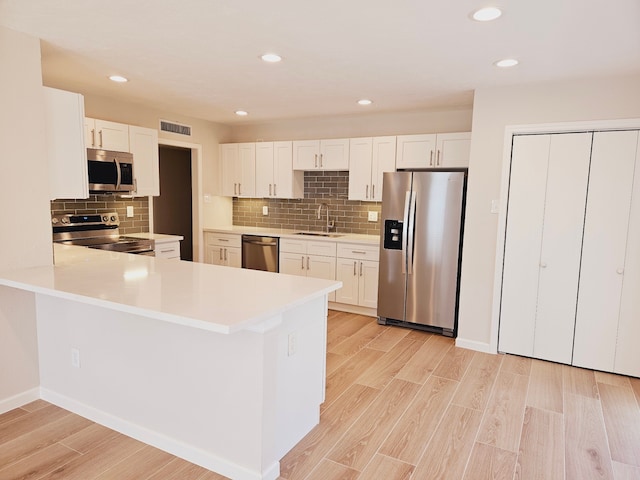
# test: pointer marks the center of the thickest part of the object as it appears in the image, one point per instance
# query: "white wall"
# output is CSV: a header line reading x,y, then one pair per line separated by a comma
x,y
365,125
24,208
493,110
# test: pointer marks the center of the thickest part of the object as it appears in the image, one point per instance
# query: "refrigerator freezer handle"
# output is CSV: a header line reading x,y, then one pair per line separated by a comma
x,y
411,233
405,226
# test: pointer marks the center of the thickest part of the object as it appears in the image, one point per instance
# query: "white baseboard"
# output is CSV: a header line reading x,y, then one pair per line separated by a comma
x,y
19,400
344,307
163,442
474,345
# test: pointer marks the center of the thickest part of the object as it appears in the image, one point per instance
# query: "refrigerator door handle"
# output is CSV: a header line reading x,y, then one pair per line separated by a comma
x,y
405,226
411,233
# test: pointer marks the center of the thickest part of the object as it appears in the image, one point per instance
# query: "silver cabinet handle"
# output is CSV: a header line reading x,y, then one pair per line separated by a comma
x,y
100,133
225,254
360,268
315,160
223,239
321,160
93,137
220,253
366,195
373,191
307,263
431,159
438,159
235,188
302,264
354,268
269,189
275,193
361,252
239,189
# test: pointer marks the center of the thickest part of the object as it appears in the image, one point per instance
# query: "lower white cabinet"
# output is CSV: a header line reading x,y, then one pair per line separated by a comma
x,y
169,250
357,269
308,258
223,249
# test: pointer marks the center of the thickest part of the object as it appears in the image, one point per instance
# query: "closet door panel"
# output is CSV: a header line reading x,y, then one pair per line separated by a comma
x,y
604,244
627,360
529,161
566,195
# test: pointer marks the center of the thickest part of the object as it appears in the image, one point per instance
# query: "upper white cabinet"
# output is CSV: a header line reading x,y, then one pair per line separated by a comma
x,y
369,158
444,150
67,156
275,177
106,135
238,161
331,154
143,144
571,270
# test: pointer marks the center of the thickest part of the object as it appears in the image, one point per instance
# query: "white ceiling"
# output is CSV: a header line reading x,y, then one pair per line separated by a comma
x,y
200,58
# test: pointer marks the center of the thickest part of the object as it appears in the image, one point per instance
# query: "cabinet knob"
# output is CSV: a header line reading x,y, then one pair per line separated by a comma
x,y
543,265
620,271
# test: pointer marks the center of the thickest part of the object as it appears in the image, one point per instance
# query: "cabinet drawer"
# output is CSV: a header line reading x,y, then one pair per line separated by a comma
x,y
326,249
358,252
293,246
167,250
223,239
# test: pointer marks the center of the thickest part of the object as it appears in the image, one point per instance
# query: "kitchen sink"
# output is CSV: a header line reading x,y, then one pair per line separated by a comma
x,y
321,234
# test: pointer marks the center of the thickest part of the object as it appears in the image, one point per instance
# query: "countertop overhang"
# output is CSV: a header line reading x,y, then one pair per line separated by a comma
x,y
210,297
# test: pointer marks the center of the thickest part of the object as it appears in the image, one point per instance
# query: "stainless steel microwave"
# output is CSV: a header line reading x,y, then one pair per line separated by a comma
x,y
110,172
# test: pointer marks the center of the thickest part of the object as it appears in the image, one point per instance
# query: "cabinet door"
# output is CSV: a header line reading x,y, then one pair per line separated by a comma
x,y
264,169
247,181
367,283
293,264
67,157
334,154
603,251
416,151
347,273
306,154
360,153
112,136
233,257
287,183
215,255
383,160
143,143
452,150
322,267
627,361
230,165
169,250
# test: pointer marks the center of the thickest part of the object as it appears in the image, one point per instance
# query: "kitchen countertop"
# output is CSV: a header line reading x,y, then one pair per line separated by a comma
x,y
157,237
208,297
292,233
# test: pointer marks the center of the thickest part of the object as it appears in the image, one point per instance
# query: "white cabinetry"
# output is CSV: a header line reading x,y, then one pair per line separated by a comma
x,y
329,154
106,135
357,269
223,249
169,250
369,158
275,177
443,150
238,162
308,258
143,144
572,250
67,156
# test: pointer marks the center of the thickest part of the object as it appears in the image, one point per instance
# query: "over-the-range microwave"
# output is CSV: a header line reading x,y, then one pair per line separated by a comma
x,y
110,172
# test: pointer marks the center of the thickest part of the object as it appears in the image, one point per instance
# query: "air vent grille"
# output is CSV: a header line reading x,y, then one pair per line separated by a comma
x,y
173,127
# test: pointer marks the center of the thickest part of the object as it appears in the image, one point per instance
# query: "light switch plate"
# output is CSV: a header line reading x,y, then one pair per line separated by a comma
x,y
129,210
373,216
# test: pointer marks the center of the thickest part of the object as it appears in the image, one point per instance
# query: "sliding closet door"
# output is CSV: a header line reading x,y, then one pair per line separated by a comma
x,y
545,216
604,247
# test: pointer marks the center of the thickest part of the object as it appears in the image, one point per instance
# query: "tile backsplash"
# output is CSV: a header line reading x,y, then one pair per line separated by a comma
x,y
109,203
350,216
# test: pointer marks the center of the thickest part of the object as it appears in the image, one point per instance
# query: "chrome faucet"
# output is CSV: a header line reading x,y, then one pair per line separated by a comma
x,y
329,222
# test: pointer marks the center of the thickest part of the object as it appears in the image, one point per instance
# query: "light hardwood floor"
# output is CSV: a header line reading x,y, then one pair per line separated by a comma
x,y
400,404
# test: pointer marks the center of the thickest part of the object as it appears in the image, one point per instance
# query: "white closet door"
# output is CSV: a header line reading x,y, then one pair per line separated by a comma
x,y
529,162
566,195
603,255
627,360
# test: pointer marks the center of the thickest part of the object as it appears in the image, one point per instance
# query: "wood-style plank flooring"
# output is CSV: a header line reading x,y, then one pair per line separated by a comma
x,y
400,404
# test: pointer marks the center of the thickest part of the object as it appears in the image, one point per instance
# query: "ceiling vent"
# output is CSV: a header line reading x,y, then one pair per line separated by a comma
x,y
173,127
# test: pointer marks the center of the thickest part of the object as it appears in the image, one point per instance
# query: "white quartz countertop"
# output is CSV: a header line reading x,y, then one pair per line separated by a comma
x,y
290,233
210,297
157,237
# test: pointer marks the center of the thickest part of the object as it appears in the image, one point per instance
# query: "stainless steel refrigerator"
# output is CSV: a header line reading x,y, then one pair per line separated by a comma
x,y
422,221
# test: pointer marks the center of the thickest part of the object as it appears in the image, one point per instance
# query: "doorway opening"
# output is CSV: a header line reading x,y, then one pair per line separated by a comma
x,y
172,209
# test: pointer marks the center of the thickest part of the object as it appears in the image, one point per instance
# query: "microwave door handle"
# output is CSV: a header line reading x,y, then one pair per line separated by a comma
x,y
118,178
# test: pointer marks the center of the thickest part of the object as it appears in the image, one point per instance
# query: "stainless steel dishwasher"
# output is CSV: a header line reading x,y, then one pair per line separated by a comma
x,y
260,253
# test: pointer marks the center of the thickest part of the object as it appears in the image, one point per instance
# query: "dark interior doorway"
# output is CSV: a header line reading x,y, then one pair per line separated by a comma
x,y
172,211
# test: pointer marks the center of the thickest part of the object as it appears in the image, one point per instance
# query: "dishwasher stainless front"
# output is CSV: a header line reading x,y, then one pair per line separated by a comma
x,y
260,253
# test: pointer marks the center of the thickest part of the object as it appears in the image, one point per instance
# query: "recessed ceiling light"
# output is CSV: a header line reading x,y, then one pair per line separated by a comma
x,y
271,57
241,113
364,101
486,14
507,62
118,78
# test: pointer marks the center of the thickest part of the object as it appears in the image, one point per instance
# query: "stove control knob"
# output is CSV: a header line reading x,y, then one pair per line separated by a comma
x,y
113,218
64,219
105,218
54,220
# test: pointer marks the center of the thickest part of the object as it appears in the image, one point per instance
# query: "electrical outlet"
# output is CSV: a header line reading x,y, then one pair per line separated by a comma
x,y
75,358
129,210
373,216
265,210
293,344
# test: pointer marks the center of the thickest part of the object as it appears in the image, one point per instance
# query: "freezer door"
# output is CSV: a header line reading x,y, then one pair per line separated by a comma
x,y
433,281
392,277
